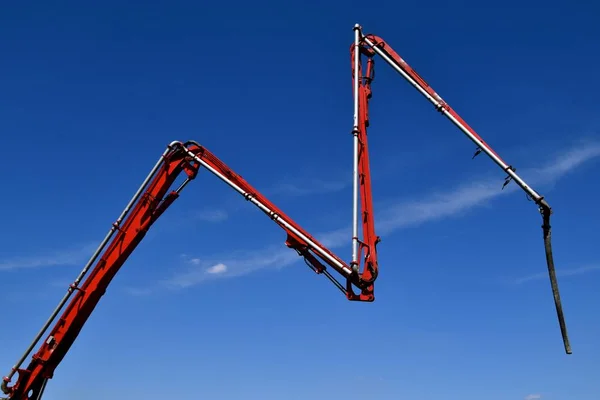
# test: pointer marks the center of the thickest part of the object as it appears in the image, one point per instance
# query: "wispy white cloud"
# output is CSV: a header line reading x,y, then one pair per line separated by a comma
x,y
217,269
310,186
212,215
65,257
561,272
398,214
533,397
468,196
133,291
239,263
565,162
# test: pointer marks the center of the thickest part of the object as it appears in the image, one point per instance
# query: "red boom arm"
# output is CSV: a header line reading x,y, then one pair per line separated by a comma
x,y
370,45
155,195
147,205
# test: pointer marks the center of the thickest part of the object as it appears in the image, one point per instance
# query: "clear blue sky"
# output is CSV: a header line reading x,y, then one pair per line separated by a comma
x,y
91,94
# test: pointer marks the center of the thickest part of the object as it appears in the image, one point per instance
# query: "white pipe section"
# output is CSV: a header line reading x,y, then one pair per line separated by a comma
x,y
466,131
355,177
266,209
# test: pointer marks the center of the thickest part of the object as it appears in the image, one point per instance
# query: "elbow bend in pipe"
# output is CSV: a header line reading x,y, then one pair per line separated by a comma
x,y
4,386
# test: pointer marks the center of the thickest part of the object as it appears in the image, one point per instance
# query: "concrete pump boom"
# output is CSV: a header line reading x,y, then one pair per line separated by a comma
x,y
370,45
149,202
155,195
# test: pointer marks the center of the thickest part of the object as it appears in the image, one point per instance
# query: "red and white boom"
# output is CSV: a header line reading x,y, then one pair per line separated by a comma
x,y
370,45
149,202
155,195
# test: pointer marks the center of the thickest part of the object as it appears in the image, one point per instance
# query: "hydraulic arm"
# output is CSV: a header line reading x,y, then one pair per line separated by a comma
x,y
153,197
159,190
370,45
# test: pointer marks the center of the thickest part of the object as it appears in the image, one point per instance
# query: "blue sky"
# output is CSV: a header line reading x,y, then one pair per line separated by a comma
x,y
91,94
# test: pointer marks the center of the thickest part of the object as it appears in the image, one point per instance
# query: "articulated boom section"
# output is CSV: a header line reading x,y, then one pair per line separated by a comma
x,y
126,233
370,45
155,195
152,198
362,174
298,239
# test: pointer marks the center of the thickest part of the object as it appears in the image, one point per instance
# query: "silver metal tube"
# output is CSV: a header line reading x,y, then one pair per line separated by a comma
x,y
470,135
183,185
42,389
355,177
85,269
267,210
